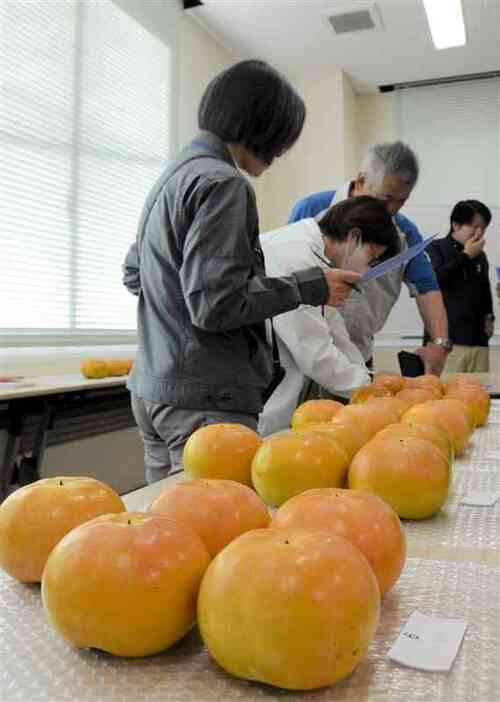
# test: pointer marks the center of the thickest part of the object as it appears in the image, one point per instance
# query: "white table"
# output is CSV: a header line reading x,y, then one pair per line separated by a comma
x,y
139,500
29,410
42,385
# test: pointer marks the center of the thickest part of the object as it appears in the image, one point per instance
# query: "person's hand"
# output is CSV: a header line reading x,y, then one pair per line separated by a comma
x,y
340,285
434,358
489,325
474,245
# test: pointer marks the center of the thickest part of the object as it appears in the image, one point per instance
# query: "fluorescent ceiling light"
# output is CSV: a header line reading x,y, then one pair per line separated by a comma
x,y
446,22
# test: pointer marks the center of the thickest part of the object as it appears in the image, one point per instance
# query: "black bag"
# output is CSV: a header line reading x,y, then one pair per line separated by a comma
x,y
411,364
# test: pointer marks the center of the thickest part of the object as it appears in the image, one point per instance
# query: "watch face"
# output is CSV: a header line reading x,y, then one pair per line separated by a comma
x,y
446,344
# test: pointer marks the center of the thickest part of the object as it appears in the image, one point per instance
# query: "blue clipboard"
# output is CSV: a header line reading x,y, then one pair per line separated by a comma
x,y
396,261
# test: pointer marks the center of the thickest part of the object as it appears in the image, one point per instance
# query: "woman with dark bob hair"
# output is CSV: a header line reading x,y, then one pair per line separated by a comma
x,y
197,266
315,349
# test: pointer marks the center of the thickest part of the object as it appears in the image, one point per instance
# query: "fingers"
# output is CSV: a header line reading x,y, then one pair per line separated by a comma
x,y
339,289
434,358
340,292
336,275
340,285
348,276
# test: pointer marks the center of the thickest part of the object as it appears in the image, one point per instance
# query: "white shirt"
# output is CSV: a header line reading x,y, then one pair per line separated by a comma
x,y
313,341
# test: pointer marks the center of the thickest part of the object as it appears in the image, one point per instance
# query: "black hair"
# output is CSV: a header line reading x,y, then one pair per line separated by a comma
x,y
465,210
369,215
252,104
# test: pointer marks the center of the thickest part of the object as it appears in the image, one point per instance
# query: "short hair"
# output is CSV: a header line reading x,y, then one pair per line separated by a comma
x,y
464,211
250,103
393,158
369,215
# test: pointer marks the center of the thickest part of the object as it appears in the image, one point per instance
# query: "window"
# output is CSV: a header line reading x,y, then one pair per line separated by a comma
x,y
85,109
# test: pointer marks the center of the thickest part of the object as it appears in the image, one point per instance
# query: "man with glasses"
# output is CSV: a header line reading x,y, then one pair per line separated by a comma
x,y
389,172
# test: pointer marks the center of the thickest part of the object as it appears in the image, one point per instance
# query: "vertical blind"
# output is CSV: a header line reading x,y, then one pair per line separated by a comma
x,y
455,132
84,133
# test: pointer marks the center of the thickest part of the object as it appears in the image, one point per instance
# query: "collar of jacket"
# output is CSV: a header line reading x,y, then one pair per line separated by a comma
x,y
215,144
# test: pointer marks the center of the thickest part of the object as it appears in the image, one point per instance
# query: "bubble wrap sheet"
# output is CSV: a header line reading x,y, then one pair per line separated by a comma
x,y
461,526
458,576
38,666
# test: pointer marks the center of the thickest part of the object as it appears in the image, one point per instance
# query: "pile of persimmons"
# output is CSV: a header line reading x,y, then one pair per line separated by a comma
x,y
288,596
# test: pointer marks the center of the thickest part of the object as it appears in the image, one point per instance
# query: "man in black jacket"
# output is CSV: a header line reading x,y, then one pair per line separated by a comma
x,y
461,268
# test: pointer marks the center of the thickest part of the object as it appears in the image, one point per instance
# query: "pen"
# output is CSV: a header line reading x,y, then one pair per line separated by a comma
x,y
330,265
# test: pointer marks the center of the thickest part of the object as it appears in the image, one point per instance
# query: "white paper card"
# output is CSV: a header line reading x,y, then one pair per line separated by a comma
x,y
480,499
493,456
428,643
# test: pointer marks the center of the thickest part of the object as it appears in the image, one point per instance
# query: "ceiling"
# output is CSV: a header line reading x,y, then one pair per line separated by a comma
x,y
296,37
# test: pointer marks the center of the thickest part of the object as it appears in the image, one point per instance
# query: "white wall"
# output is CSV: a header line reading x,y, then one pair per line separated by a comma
x,y
375,120
351,131
325,148
340,126
201,58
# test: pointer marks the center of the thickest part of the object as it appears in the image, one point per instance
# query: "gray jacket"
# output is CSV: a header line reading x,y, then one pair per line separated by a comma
x,y
198,269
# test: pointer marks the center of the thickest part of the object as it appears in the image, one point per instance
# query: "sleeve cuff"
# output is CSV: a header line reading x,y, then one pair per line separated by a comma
x,y
427,287
313,287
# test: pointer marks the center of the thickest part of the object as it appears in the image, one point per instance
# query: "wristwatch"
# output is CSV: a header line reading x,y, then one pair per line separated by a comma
x,y
446,344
